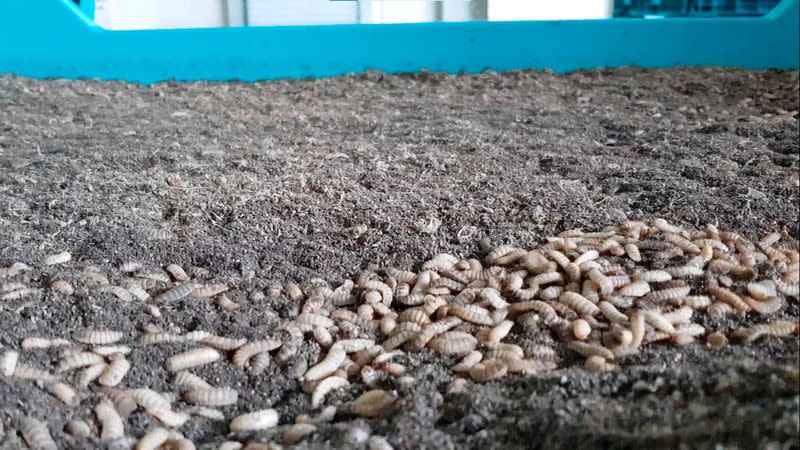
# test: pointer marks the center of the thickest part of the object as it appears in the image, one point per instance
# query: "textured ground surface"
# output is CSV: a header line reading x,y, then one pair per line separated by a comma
x,y
268,177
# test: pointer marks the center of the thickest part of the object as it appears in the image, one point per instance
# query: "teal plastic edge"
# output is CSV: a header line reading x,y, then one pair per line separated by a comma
x,y
53,38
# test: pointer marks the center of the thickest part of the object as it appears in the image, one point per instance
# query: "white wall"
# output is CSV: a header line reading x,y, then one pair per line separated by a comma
x,y
146,14
549,9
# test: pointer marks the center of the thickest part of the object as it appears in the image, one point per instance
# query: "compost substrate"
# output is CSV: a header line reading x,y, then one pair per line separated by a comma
x,y
275,182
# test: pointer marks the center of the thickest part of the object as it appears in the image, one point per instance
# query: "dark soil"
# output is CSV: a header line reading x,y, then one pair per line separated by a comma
x,y
260,184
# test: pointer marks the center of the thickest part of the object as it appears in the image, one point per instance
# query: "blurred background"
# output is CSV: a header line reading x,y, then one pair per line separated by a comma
x,y
148,14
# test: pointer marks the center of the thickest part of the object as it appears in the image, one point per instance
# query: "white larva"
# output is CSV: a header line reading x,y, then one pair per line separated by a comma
x,y
255,421
606,286
223,343
99,337
589,349
658,321
453,343
149,399
354,345
38,342
153,440
654,276
177,272
115,372
190,381
25,372
373,403
109,350
111,425
170,418
469,360
91,373
79,360
62,286
192,358
209,290
326,386
64,392
297,432
58,258
196,336
488,370
35,433
679,316
212,396
638,288
78,429
328,365
579,303
499,332
178,292
612,313
378,443
598,364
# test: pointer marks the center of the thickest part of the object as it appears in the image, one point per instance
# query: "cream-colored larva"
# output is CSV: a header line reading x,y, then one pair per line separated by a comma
x,y
421,338
682,243
114,373
581,329
178,292
469,360
177,272
170,418
326,386
192,358
588,349
295,433
720,310
373,403
694,301
684,271
63,287
79,360
473,313
494,298
322,336
589,255
78,429
578,303
119,292
25,372
255,421
64,392
159,338
690,329
20,294
212,396
189,380
731,298
664,295
545,310
111,425
789,289
209,290
638,288
762,290
633,252
328,365
488,370
619,281
58,258
109,350
38,342
91,373
99,337
35,433
654,276
551,293
679,316
777,328
223,343
247,351
416,315
431,304
598,364
153,440
196,335
769,305
638,329
307,321
657,320
547,278
611,313
499,331
453,343
149,399
605,285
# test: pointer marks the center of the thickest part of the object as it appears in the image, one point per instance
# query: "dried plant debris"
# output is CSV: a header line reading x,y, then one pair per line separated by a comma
x,y
602,295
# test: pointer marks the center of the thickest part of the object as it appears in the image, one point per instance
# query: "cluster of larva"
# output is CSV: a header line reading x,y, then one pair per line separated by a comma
x,y
604,295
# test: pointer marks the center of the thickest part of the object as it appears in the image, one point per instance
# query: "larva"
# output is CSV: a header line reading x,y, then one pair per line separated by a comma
x,y
453,343
307,321
223,343
789,289
529,366
58,258
20,294
247,351
137,292
177,272
322,336
191,381
579,303
619,280
153,440
668,294
633,252
326,386
99,337
415,315
111,426
684,271
159,338
378,443
208,290
499,332
638,288
727,267
547,278
546,311
777,328
373,403
37,342
654,276
149,399
494,298
295,433
91,373
769,305
682,243
178,292
35,433
63,287
551,293
14,270
25,372
611,313
432,303
63,392
657,320
109,350
581,329
430,331
664,226
114,373
355,345
328,365
589,255
119,292
394,369
588,349
695,301
469,360
717,340
720,310
79,360
598,364
192,358
605,285
78,429
255,421
212,396
490,369
473,313
168,417
727,296
637,320
679,316
690,329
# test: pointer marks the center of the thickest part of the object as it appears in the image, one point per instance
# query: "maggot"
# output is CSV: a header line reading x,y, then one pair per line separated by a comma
x,y
490,369
192,358
212,396
99,337
453,342
373,403
324,387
